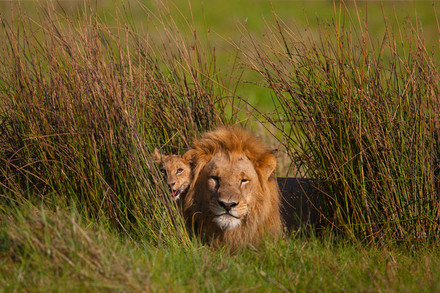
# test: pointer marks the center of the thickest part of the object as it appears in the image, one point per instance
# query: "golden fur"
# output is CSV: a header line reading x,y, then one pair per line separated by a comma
x,y
233,198
177,172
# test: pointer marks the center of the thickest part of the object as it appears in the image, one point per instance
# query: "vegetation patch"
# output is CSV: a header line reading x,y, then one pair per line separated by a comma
x,y
361,115
84,101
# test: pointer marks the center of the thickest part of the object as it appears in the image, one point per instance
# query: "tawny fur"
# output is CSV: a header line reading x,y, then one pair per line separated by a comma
x,y
235,155
177,172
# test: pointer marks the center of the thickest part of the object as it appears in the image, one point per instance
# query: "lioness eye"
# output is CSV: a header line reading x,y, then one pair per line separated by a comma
x,y
162,170
244,181
180,170
215,178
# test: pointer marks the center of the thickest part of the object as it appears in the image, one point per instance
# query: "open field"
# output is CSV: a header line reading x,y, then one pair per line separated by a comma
x,y
350,93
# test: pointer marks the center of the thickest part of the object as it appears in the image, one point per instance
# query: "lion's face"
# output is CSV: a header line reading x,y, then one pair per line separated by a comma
x,y
233,197
231,182
177,172
178,175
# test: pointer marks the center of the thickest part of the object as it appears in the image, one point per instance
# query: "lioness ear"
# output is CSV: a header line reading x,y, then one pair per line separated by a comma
x,y
157,156
267,164
274,152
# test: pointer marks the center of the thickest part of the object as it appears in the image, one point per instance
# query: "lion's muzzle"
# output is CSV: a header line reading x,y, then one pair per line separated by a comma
x,y
227,205
226,214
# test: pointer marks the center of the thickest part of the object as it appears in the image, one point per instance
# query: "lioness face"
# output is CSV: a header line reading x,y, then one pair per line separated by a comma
x,y
177,172
231,181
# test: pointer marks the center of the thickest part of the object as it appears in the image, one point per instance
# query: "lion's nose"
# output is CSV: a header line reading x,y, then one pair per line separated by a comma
x,y
227,205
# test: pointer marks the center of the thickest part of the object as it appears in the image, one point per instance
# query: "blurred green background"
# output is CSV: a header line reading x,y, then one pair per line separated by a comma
x,y
225,17
224,23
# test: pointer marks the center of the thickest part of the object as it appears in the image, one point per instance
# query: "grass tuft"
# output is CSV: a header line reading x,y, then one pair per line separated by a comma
x,y
84,104
360,113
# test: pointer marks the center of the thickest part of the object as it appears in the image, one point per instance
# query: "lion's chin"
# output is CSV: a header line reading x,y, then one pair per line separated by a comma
x,y
227,222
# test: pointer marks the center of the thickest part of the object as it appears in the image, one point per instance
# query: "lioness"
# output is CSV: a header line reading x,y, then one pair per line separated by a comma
x,y
233,197
177,172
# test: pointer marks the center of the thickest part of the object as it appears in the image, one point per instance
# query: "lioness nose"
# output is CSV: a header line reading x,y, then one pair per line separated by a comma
x,y
227,205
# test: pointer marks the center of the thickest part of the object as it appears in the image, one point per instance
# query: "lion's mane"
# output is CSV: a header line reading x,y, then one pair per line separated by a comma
x,y
263,216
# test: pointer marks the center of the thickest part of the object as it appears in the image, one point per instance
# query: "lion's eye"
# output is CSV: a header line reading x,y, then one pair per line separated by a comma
x,y
244,181
163,171
180,170
214,182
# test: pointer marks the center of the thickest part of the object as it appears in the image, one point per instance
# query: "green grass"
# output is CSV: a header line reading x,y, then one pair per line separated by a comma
x,y
361,116
83,106
87,92
44,250
221,22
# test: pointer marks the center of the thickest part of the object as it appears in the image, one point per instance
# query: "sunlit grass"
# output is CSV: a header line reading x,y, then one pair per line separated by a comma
x,y
58,250
362,117
84,104
87,94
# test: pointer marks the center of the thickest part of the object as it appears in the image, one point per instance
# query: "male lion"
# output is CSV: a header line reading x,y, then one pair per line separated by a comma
x,y
177,172
233,197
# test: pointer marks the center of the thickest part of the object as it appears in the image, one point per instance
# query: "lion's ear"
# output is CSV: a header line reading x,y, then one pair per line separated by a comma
x,y
189,156
267,164
157,156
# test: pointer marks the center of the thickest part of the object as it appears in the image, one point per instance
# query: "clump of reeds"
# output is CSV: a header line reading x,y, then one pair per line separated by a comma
x,y
83,104
361,112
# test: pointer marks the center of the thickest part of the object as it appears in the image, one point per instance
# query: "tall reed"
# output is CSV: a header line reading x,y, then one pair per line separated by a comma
x,y
83,104
361,112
